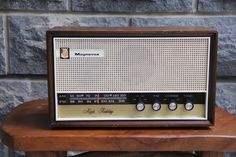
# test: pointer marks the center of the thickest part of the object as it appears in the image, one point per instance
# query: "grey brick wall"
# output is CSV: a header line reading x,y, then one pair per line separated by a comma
x,y
22,39
2,52
132,6
211,6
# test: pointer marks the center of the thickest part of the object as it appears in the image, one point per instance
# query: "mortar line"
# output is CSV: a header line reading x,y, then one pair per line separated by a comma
x,y
112,14
23,77
195,6
69,6
229,79
6,43
130,22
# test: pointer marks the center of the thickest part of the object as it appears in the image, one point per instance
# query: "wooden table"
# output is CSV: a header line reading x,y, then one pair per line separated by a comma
x,y
26,128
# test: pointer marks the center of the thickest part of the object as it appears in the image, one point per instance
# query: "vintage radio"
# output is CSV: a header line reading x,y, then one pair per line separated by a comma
x,y
131,77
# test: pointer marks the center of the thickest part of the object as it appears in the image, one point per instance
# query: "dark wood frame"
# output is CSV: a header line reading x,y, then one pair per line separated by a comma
x,y
175,31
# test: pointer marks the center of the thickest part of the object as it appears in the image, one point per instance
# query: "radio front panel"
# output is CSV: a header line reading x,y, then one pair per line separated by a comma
x,y
130,78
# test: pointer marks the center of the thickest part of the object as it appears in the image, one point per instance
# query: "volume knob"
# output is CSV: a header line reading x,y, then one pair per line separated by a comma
x,y
188,106
140,106
156,106
172,106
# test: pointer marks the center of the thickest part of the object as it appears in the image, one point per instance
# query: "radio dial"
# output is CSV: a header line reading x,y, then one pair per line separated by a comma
x,y
172,106
156,106
188,106
140,106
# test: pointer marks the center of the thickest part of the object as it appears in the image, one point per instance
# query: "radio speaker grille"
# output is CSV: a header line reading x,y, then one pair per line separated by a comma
x,y
133,64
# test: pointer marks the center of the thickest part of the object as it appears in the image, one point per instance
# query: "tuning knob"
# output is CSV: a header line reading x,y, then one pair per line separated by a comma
x,y
172,106
188,106
156,106
140,106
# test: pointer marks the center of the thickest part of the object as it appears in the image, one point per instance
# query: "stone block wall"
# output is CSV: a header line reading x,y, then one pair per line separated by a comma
x,y
22,39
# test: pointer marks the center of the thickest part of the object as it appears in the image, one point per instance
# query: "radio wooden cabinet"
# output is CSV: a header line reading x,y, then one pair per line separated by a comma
x,y
132,77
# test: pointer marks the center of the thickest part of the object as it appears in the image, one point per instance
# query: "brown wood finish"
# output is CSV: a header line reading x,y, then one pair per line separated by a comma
x,y
211,154
126,154
27,129
212,77
136,31
46,154
50,63
136,154
130,124
170,31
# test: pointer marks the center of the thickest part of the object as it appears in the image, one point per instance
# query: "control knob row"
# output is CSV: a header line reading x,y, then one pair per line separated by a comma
x,y
172,106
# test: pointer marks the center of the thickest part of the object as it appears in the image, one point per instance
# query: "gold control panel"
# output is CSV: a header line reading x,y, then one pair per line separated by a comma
x,y
128,112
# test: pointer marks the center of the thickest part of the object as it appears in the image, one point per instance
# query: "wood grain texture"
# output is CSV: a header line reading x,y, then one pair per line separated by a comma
x,y
46,154
27,128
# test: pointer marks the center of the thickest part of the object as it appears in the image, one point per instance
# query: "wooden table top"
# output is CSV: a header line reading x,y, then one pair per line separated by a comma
x,y
27,128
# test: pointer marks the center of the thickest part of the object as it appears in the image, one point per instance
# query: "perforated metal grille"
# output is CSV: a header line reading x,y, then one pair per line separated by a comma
x,y
134,64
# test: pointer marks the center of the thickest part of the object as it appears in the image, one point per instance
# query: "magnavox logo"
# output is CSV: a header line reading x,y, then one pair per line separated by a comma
x,y
87,53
